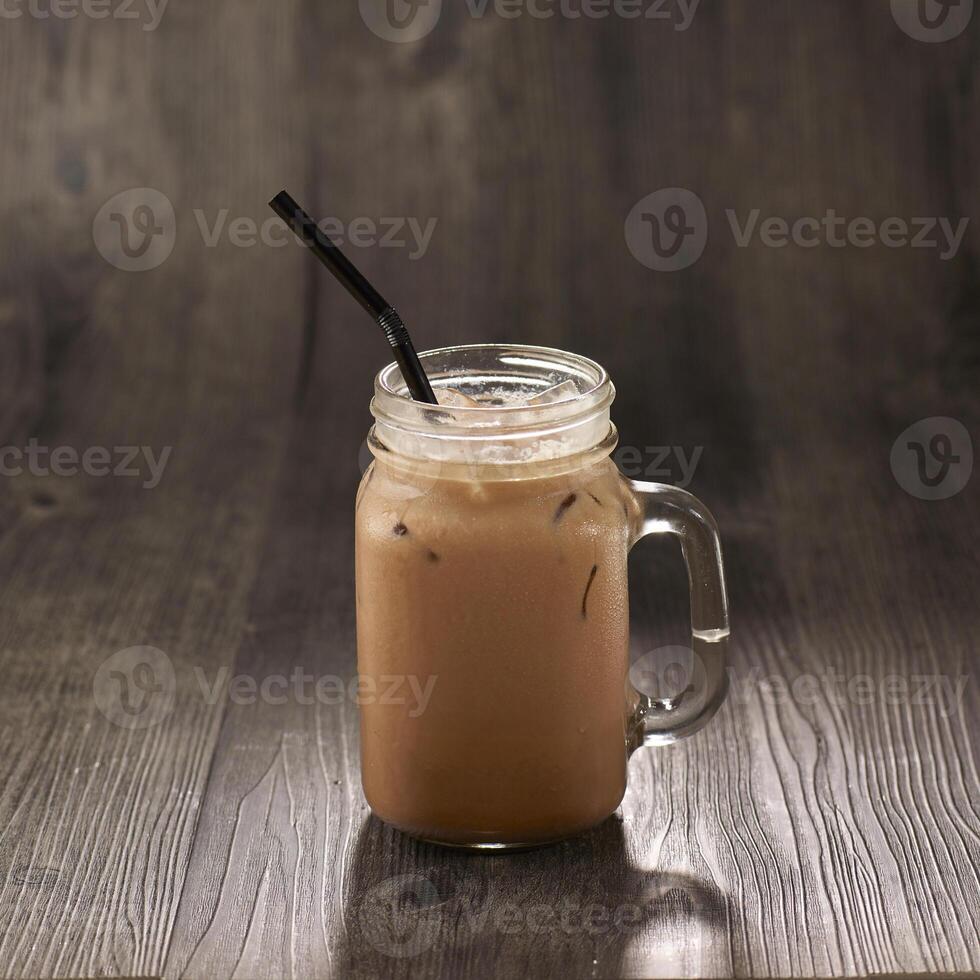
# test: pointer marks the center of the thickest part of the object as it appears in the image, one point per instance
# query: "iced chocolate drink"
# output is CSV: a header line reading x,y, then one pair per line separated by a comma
x,y
492,542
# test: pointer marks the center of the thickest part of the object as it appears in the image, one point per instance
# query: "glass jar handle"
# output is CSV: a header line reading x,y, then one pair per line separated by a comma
x,y
663,509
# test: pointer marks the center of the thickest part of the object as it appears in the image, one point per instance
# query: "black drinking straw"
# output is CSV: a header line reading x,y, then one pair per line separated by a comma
x,y
365,294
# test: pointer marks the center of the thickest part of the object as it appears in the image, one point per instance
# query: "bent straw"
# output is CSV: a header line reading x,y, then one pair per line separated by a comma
x,y
383,312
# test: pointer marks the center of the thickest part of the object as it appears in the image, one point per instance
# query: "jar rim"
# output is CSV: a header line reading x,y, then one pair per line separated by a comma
x,y
505,428
516,360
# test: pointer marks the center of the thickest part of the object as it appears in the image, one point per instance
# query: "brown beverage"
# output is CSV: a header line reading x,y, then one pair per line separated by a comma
x,y
492,606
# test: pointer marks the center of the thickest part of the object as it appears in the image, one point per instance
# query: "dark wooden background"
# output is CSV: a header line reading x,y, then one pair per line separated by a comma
x,y
821,839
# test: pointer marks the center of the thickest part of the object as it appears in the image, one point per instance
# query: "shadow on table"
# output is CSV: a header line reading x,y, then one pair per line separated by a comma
x,y
574,909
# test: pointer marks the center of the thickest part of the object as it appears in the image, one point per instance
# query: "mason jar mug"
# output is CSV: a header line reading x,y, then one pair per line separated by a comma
x,y
492,536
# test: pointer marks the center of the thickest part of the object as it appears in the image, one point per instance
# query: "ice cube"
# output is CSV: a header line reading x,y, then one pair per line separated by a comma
x,y
452,398
557,393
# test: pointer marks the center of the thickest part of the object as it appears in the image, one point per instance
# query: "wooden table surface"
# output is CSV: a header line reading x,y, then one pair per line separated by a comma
x,y
830,828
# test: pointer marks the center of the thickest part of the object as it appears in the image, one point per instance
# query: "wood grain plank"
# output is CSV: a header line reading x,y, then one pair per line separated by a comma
x,y
96,821
788,839
797,835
